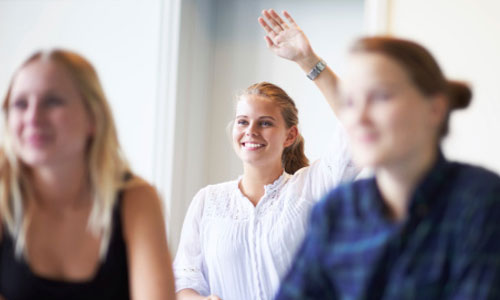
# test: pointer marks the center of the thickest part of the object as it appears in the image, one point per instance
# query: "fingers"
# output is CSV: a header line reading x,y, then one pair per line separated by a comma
x,y
269,42
278,19
274,24
266,27
289,18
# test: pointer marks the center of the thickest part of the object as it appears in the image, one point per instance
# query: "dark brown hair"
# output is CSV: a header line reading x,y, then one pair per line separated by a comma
x,y
293,157
422,69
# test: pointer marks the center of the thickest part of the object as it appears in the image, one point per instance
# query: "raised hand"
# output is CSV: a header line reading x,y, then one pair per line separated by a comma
x,y
286,39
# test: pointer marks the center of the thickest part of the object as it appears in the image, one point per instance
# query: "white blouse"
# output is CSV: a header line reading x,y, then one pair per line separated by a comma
x,y
237,251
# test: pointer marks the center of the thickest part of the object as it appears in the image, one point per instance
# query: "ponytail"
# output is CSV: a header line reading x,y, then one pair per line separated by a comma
x,y
459,96
293,157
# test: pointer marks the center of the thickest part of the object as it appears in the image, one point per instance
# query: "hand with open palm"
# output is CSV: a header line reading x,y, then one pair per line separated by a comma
x,y
286,39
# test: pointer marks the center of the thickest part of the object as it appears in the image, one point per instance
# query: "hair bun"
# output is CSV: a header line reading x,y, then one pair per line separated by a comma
x,y
460,94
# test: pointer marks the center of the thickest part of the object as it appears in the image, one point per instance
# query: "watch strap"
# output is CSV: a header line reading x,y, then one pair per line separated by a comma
x,y
316,70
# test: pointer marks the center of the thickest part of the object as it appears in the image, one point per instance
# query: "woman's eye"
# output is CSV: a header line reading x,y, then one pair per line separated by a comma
x,y
266,124
242,122
382,95
20,104
53,101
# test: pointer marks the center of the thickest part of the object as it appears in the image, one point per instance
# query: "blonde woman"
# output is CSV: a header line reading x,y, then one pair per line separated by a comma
x,y
239,237
76,223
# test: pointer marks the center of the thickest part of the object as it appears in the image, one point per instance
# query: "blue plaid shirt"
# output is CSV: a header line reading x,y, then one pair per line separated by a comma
x,y
447,248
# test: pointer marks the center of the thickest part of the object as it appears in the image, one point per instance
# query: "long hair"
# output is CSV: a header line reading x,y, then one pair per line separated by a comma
x,y
293,157
422,69
105,160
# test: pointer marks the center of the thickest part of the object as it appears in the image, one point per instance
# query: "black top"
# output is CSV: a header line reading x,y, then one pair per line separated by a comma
x,y
18,282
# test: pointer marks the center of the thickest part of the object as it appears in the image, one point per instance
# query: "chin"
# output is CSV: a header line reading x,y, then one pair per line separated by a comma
x,y
36,160
366,159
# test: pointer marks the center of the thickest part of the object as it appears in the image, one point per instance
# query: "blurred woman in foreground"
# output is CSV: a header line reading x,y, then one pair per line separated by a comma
x,y
423,227
76,223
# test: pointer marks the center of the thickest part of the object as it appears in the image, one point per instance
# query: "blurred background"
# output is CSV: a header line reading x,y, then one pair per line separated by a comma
x,y
171,69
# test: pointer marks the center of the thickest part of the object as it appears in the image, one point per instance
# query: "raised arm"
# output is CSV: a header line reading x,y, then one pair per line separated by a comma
x,y
288,41
150,265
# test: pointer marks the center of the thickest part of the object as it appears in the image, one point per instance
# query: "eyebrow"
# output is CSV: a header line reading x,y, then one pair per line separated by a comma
x,y
263,117
267,117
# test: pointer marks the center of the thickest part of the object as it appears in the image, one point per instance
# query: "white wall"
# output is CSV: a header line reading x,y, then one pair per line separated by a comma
x,y
465,38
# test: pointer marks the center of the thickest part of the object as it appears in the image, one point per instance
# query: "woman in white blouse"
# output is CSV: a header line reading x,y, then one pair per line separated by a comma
x,y
239,237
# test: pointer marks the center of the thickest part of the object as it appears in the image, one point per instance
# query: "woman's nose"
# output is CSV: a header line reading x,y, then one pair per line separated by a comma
x,y
33,114
251,130
362,111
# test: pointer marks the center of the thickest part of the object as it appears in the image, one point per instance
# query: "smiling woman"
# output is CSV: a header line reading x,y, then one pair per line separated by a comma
x,y
239,237
76,223
276,111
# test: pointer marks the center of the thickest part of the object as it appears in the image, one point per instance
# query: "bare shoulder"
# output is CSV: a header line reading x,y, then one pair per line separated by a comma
x,y
141,206
139,194
149,262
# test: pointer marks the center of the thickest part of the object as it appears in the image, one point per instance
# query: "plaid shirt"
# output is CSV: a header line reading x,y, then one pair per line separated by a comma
x,y
447,248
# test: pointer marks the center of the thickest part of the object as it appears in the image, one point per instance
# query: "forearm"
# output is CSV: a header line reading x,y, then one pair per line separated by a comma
x,y
327,81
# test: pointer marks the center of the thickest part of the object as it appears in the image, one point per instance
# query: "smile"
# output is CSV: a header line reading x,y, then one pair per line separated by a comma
x,y
252,146
37,140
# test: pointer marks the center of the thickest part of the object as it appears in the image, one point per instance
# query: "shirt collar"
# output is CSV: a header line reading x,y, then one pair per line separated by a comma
x,y
425,195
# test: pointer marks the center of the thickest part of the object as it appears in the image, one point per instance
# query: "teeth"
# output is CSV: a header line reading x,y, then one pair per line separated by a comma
x,y
251,145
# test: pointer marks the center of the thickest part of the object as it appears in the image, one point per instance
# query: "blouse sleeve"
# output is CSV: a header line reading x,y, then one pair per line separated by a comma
x,y
332,168
188,263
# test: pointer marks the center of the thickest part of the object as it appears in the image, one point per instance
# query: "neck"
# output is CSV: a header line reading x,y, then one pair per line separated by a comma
x,y
255,178
61,187
398,182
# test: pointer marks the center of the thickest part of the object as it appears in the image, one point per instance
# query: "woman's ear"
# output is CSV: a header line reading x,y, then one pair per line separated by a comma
x,y
291,136
439,109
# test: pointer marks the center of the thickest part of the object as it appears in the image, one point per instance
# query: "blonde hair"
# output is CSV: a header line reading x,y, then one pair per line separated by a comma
x,y
293,157
106,163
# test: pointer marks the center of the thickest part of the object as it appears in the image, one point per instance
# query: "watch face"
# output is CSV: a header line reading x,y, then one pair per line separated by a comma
x,y
321,65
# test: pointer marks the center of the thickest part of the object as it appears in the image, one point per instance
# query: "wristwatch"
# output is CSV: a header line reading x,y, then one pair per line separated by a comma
x,y
320,66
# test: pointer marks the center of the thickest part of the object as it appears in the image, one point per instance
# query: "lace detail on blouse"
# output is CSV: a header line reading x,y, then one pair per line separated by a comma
x,y
227,201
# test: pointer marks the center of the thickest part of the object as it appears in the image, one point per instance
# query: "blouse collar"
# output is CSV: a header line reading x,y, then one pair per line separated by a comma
x,y
268,188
